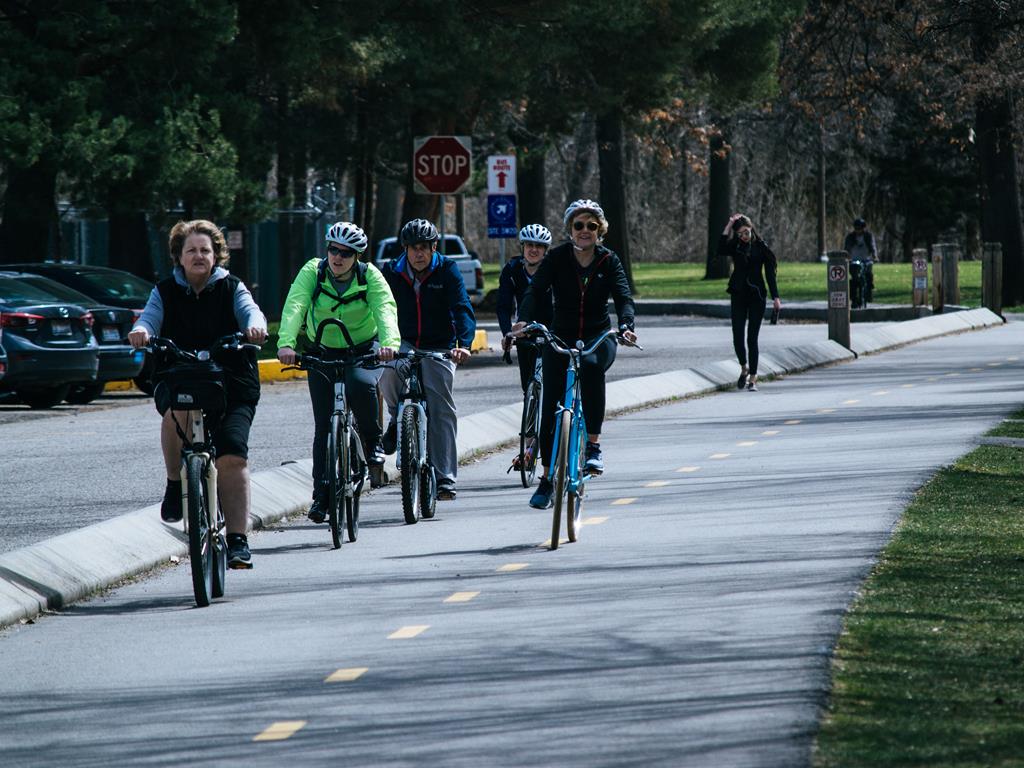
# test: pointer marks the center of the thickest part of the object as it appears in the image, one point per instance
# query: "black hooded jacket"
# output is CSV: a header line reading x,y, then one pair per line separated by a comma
x,y
750,267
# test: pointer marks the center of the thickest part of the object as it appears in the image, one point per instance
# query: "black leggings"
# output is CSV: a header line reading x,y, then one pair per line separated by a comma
x,y
592,369
747,311
526,354
361,394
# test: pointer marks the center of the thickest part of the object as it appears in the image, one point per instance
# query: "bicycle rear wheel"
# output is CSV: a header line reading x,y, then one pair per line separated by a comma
x,y
356,480
200,540
574,508
337,472
561,467
410,459
529,429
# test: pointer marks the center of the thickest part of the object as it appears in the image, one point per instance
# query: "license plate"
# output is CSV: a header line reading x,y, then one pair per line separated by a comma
x,y
110,333
60,328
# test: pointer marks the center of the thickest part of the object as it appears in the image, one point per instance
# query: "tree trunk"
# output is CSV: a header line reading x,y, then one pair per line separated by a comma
x,y
128,248
610,161
582,164
386,209
30,214
532,185
719,204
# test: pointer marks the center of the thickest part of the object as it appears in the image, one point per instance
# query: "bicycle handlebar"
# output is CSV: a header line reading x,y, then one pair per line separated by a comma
x,y
540,330
417,354
230,341
307,361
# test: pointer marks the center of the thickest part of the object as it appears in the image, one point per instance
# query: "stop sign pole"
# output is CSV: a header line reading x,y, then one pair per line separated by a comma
x,y
441,165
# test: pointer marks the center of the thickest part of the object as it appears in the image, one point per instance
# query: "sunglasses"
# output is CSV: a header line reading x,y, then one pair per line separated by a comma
x,y
334,250
579,225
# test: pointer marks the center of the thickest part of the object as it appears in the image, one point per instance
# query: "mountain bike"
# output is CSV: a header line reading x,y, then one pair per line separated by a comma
x,y
195,386
567,471
346,466
529,426
419,484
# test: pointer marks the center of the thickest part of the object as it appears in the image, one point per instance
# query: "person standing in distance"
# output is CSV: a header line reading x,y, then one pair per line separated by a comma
x,y
434,315
752,263
578,278
198,304
342,287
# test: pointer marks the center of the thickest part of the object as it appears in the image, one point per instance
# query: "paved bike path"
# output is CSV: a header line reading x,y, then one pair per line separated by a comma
x,y
58,571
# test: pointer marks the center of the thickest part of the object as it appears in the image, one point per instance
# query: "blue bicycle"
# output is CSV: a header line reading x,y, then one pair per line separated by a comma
x,y
567,472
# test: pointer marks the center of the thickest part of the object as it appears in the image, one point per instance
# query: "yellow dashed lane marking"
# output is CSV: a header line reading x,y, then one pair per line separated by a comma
x,y
280,730
746,443
908,386
951,375
994,365
791,422
408,632
623,502
975,370
770,432
719,456
687,469
1013,359
881,392
346,675
850,402
595,520
656,484
932,378
460,597
514,566
546,544
826,410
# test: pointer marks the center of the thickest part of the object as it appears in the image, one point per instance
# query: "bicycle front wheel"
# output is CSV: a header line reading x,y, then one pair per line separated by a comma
x,y
574,508
337,475
356,480
529,429
561,470
410,459
200,538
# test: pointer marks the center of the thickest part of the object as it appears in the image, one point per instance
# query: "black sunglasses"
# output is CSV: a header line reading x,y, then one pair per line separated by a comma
x,y
334,250
579,225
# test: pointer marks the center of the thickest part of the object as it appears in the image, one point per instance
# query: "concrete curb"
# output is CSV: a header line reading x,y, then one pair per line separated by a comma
x,y
58,571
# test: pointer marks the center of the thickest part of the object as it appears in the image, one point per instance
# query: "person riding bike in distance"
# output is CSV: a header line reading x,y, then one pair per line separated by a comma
x,y
198,304
342,287
434,315
513,283
578,277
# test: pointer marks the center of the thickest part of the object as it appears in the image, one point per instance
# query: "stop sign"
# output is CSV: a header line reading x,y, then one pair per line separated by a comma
x,y
441,165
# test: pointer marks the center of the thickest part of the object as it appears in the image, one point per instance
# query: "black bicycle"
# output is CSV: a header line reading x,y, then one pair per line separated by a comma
x,y
419,484
195,386
346,466
529,428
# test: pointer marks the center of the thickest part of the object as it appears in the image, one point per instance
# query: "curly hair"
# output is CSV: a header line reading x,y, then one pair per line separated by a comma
x,y
181,231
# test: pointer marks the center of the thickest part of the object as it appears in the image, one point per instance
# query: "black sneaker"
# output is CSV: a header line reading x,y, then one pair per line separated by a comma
x,y
446,492
317,510
742,379
239,557
541,498
595,461
389,442
375,453
170,507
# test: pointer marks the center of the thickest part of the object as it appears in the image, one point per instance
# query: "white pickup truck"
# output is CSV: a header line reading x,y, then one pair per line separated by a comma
x,y
454,248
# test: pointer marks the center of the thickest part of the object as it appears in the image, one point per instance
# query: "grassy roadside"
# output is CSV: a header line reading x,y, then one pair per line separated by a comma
x,y
801,281
929,669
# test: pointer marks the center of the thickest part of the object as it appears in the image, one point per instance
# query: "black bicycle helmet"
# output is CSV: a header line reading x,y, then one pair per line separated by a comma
x,y
419,231
858,223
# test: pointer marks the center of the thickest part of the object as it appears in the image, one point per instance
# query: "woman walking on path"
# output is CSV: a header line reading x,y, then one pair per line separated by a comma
x,y
753,263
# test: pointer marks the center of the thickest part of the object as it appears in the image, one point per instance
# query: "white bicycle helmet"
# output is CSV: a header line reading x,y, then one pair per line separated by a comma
x,y
347,234
419,231
535,233
584,206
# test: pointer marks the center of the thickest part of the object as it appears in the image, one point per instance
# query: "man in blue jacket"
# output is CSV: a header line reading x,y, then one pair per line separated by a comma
x,y
434,314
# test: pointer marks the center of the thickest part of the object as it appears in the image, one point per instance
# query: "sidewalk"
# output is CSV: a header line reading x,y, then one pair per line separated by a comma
x,y
66,568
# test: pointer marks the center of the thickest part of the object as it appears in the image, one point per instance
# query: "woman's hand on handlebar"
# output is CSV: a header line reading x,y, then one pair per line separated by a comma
x,y
287,355
138,338
386,354
256,334
459,355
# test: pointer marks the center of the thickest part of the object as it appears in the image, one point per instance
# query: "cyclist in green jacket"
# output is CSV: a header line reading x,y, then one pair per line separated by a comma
x,y
356,293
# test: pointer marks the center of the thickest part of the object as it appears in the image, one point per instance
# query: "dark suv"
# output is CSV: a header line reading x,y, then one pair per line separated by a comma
x,y
49,344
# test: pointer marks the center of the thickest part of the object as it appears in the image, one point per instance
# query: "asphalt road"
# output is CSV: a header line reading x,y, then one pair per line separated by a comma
x,y
74,466
691,625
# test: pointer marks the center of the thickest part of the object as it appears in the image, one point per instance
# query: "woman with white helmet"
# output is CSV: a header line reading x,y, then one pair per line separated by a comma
x,y
578,278
356,293
513,284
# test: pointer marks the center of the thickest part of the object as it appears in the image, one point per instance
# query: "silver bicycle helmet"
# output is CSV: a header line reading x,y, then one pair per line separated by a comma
x,y
535,233
419,231
584,206
347,234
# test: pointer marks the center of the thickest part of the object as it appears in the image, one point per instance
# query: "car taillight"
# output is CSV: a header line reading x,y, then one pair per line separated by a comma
x,y
480,278
88,319
21,320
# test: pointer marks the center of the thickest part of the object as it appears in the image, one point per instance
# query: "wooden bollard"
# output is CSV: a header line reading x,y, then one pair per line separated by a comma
x,y
919,262
839,297
937,295
950,272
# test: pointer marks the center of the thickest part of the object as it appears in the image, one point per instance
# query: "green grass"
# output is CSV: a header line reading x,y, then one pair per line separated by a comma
x,y
798,281
929,670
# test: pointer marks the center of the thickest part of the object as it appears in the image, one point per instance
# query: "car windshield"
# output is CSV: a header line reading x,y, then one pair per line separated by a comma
x,y
14,290
117,285
56,290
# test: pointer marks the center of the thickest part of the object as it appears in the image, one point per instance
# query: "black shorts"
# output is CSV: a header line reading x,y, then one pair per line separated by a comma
x,y
230,429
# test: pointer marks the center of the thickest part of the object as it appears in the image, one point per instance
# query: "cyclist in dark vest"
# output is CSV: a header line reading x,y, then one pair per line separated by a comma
x,y
194,307
341,286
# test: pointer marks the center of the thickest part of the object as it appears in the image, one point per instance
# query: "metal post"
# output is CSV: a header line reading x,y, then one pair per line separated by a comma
x,y
501,251
821,189
440,222
937,294
920,277
839,297
992,277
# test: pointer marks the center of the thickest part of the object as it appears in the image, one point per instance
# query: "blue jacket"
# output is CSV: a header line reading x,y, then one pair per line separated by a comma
x,y
438,315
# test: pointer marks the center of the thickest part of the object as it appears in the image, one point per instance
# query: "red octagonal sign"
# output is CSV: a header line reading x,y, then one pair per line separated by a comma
x,y
441,165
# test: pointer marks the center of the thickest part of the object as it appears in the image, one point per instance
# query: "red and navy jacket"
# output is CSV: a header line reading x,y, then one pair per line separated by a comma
x,y
580,302
438,314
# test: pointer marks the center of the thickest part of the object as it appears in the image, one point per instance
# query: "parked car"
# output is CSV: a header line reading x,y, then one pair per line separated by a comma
x,y
49,344
113,287
111,325
3,359
470,268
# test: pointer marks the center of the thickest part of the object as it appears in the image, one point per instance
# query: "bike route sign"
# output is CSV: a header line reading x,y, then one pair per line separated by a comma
x,y
501,216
